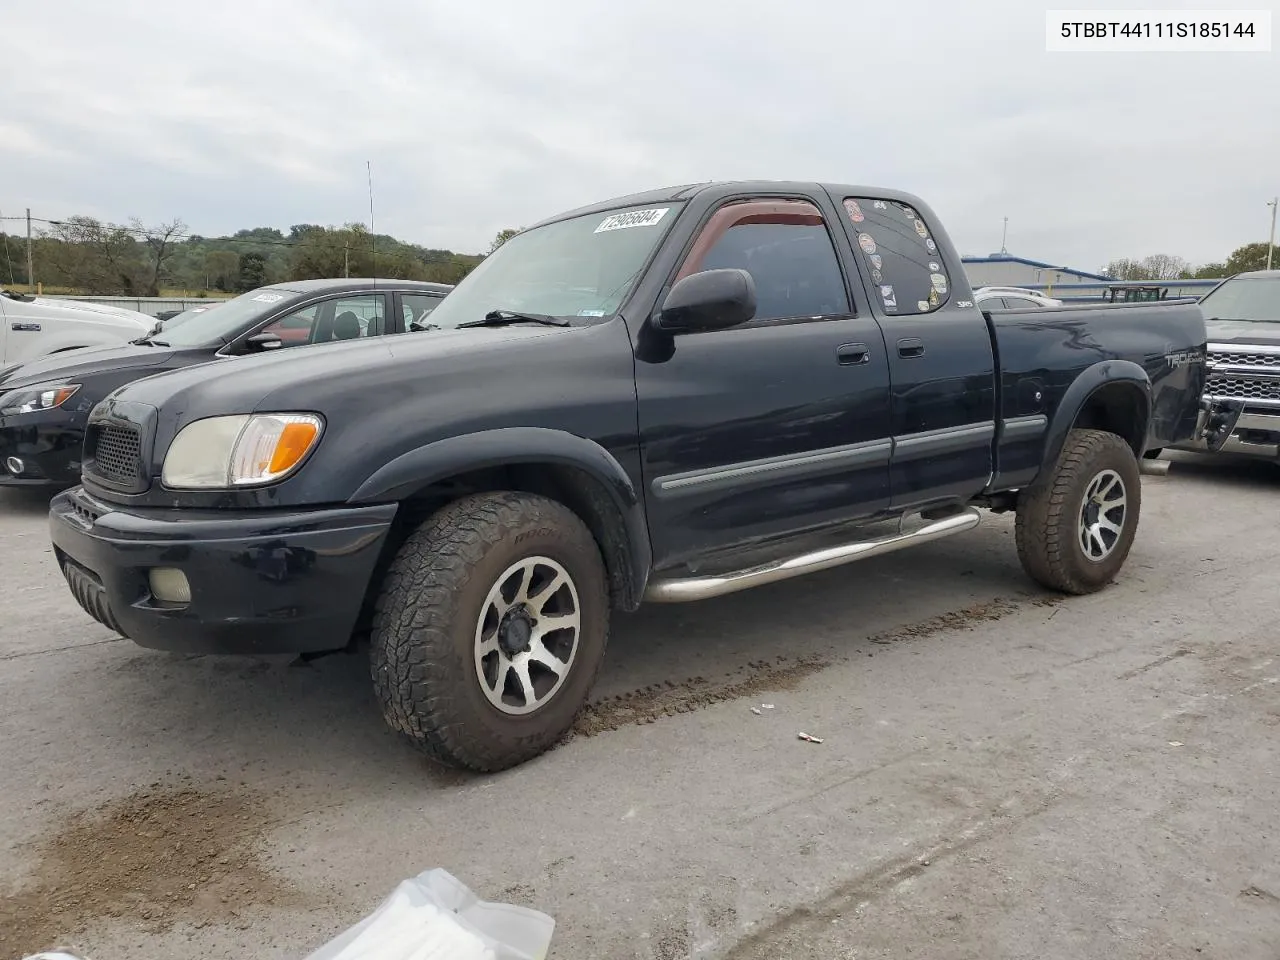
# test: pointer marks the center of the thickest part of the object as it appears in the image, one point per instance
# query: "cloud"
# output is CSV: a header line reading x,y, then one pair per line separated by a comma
x,y
481,116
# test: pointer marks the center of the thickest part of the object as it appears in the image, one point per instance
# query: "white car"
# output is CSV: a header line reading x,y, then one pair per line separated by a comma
x,y
1012,298
34,327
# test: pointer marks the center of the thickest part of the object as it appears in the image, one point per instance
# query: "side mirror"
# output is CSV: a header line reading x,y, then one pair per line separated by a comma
x,y
710,300
264,341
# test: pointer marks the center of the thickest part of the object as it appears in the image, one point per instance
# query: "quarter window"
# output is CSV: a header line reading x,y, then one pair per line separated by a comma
x,y
900,254
785,247
416,306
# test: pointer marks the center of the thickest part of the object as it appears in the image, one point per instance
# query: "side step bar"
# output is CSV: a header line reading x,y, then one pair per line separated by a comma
x,y
703,588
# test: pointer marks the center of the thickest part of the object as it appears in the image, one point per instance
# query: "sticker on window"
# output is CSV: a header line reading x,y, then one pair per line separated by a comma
x,y
933,267
880,205
268,298
855,211
877,261
939,282
887,295
921,229
922,306
636,218
911,214
933,247
876,276
591,313
933,298
867,244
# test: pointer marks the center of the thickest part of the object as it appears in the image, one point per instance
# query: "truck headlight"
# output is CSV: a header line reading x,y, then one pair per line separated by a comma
x,y
44,396
240,451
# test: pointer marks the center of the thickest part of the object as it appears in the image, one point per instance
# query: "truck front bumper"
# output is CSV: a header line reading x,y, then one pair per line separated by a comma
x,y
259,581
1256,434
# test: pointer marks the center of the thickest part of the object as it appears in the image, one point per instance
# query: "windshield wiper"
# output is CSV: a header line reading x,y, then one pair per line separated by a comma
x,y
497,318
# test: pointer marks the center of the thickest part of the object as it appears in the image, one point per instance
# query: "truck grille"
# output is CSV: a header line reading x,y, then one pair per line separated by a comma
x,y
1245,359
117,454
1240,388
1238,384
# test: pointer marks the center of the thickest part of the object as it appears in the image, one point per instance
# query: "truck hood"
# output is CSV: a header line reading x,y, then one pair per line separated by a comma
x,y
80,362
100,309
1243,331
300,378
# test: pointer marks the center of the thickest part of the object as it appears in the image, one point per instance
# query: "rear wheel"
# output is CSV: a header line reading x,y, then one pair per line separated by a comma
x,y
1076,525
490,630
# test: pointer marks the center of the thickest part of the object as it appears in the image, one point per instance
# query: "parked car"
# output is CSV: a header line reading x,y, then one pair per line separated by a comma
x,y
1012,298
34,327
665,397
1242,394
44,404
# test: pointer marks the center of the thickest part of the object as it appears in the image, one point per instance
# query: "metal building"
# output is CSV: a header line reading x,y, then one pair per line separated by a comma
x,y
1003,270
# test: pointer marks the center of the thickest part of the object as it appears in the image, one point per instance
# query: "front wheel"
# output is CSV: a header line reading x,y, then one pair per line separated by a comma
x,y
490,630
1076,525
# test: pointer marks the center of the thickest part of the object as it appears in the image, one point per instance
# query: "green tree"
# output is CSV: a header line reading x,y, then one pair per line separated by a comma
x,y
502,237
1252,256
253,271
1211,271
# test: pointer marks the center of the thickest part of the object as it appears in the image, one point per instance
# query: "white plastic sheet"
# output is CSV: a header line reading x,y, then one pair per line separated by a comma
x,y
434,916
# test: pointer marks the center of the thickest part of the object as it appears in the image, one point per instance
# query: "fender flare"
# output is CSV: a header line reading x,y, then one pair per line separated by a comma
x,y
1104,373
508,446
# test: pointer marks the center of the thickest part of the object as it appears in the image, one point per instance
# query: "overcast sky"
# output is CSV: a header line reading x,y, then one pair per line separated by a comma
x,y
483,115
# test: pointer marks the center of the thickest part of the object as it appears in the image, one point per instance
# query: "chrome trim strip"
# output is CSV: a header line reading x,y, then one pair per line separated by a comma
x,y
1243,348
1248,401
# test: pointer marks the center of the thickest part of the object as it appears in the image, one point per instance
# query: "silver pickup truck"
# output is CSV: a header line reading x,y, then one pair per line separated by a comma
x,y
1242,389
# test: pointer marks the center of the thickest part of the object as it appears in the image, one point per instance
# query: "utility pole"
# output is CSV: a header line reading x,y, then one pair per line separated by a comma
x,y
1271,240
1004,237
346,258
31,273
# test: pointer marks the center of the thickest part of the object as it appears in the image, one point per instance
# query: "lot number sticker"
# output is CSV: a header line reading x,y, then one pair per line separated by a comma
x,y
636,218
268,298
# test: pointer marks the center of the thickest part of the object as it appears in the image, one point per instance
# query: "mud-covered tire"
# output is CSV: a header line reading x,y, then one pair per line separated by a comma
x,y
427,628
1051,528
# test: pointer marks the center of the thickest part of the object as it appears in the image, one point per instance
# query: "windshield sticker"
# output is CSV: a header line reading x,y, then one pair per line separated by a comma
x,y
867,244
855,211
636,218
886,294
877,261
591,313
933,247
939,282
921,229
268,298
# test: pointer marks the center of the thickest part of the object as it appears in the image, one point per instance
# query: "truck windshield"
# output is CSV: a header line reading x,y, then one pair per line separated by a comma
x,y
581,267
1244,298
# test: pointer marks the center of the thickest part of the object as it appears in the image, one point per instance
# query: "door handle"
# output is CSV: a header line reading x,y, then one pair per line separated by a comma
x,y
850,353
911,347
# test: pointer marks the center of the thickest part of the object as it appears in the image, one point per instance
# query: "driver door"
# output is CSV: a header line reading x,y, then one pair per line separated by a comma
x,y
781,423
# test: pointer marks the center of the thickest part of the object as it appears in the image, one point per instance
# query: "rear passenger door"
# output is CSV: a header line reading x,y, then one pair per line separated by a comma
x,y
775,425
941,362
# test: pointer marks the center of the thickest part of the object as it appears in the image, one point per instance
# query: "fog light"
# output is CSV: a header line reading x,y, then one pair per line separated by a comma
x,y
169,585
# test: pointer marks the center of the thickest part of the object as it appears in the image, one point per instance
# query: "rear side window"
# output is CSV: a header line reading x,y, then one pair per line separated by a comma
x,y
785,247
900,254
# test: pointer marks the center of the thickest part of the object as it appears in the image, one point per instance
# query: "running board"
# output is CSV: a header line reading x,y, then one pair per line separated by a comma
x,y
688,589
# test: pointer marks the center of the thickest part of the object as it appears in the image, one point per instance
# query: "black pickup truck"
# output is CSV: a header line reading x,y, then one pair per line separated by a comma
x,y
664,397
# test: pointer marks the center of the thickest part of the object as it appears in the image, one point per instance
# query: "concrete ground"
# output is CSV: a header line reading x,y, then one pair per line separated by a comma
x,y
1004,775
